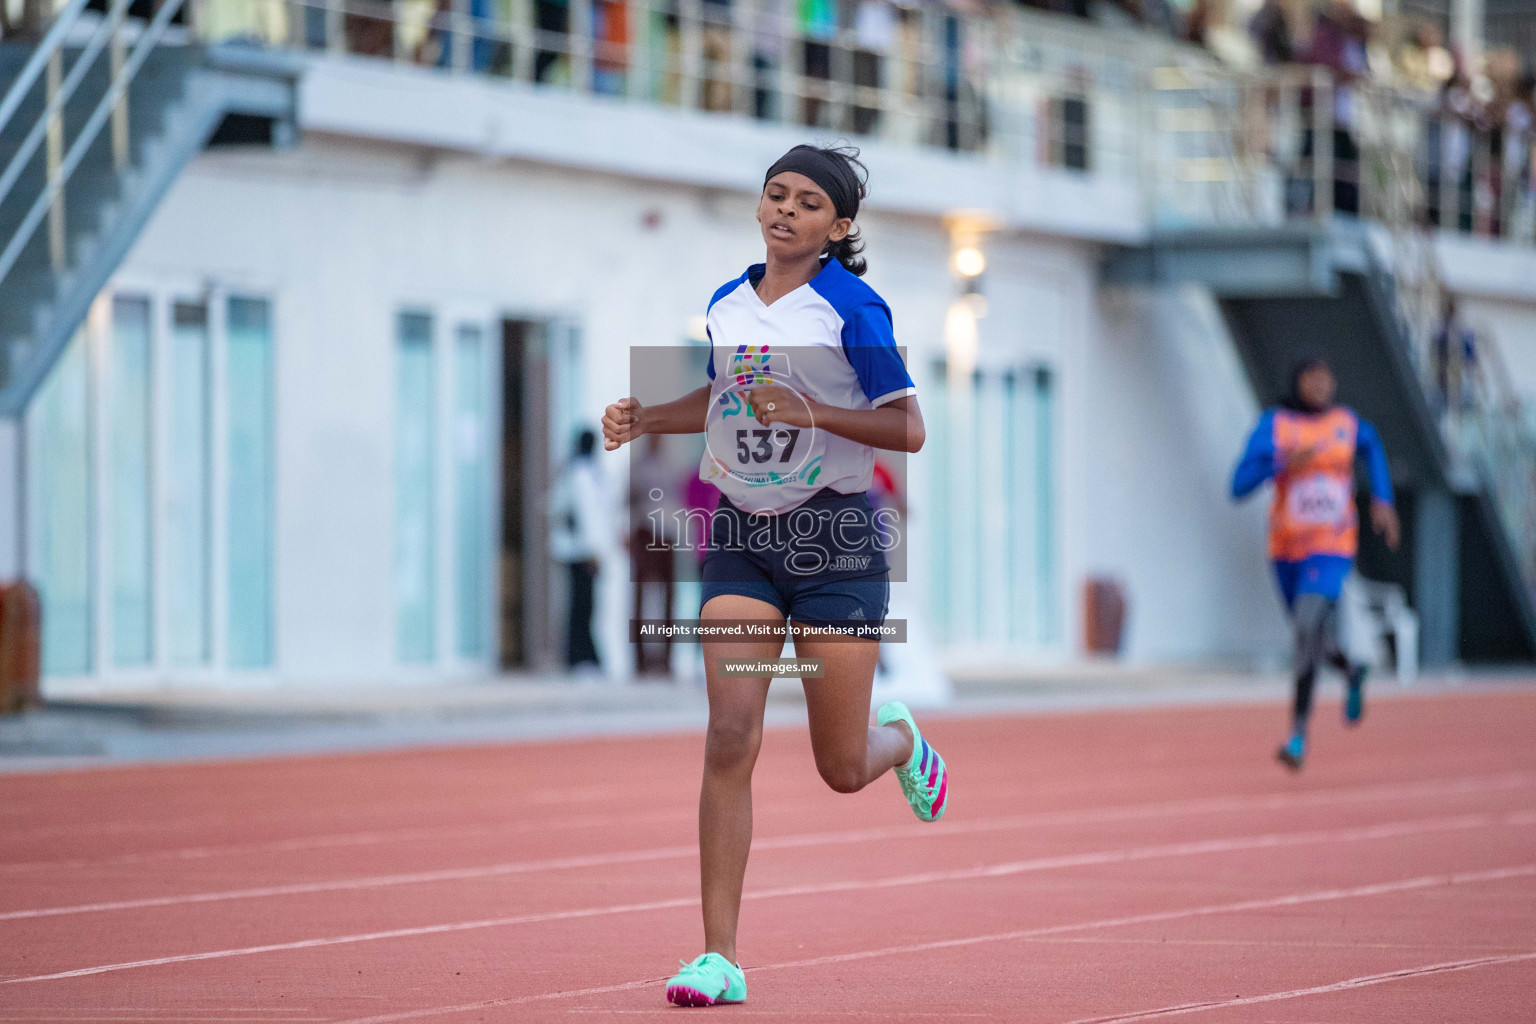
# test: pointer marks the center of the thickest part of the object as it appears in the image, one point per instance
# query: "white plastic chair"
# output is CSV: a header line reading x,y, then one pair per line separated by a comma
x,y
1370,612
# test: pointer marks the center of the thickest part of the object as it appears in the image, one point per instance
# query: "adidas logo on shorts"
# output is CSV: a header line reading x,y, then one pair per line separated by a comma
x,y
857,613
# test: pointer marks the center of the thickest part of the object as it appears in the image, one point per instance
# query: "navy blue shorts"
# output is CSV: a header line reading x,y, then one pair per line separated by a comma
x,y
821,564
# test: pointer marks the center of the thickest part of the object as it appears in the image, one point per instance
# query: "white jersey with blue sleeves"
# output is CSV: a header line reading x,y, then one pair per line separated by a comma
x,y
830,340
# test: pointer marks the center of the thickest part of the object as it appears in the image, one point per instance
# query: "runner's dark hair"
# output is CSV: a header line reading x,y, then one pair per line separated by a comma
x,y
847,252
1292,398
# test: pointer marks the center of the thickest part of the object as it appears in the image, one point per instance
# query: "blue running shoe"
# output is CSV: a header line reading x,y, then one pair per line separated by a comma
x,y
1354,696
1293,752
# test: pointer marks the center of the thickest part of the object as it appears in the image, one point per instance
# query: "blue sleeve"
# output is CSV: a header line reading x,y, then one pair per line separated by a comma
x,y
870,345
720,293
1368,446
1258,461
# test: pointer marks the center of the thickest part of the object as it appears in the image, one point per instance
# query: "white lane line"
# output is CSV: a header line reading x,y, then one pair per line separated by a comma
x,y
812,839
1271,903
342,840
1477,784
560,797
1115,856
1316,990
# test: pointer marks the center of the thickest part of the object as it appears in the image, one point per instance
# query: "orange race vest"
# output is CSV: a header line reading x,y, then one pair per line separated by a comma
x,y
1314,508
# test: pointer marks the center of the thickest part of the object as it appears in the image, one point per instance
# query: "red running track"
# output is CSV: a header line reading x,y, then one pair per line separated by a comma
x,y
1108,866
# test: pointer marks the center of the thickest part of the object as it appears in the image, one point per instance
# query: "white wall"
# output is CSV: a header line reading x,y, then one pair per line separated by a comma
x,y
1166,415
343,234
1496,287
1512,326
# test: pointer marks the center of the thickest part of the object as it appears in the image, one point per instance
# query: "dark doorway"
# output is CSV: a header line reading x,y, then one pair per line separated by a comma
x,y
523,587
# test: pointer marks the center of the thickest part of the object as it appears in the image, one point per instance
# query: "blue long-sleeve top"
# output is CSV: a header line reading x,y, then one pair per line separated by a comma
x,y
1261,460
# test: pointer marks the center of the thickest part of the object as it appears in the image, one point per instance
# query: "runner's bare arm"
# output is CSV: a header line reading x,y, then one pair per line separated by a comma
x,y
896,426
627,419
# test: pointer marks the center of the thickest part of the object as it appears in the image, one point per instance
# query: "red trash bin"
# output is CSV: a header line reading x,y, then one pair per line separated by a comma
x,y
1104,607
20,648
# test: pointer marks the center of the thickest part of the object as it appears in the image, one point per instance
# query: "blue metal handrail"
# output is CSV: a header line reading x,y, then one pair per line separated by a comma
x,y
34,66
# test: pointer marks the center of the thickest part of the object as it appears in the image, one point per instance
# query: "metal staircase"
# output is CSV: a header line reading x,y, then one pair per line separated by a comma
x,y
1467,478
1310,246
97,122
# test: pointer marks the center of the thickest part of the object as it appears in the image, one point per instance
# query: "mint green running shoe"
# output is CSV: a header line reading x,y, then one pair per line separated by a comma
x,y
708,980
924,780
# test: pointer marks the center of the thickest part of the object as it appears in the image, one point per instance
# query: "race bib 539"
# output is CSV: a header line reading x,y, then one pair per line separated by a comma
x,y
1319,499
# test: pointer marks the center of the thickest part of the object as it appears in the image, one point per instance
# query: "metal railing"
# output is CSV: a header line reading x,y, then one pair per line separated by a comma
x,y
59,163
1293,143
1008,83
1493,429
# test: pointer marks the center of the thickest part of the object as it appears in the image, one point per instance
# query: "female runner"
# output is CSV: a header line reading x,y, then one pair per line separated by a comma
x,y
805,382
1308,446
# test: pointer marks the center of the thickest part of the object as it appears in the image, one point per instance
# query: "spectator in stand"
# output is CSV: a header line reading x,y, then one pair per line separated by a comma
x,y
610,38
1339,39
552,18
816,21
1422,63
370,34
1271,31
1520,151
874,29
1449,178
715,37
1211,25
1502,69
1198,22
28,23
664,51
438,47
767,56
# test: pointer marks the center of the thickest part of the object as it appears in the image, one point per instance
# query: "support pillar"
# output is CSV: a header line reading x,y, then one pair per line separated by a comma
x,y
1437,576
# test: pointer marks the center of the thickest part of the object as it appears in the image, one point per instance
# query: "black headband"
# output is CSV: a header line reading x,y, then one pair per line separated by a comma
x,y
828,170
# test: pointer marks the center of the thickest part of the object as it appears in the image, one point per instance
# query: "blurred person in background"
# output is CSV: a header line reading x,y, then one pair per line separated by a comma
x,y
1421,62
1340,35
664,44
1271,31
368,33
1308,447
874,29
816,24
610,50
1502,118
1454,352
701,498
437,47
552,19
654,488
1449,181
27,24
767,56
715,33
581,531
1520,155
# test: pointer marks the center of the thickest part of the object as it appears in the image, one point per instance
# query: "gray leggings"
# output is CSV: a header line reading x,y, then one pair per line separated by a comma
x,y
1316,621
